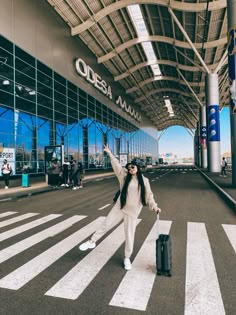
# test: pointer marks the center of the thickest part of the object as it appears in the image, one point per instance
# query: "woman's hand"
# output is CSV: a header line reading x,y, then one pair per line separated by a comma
x,y
106,149
157,210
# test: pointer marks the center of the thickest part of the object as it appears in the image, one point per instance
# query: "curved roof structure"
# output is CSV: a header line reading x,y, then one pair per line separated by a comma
x,y
188,40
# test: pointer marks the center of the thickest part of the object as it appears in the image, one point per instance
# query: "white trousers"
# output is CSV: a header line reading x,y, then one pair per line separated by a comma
x,y
114,217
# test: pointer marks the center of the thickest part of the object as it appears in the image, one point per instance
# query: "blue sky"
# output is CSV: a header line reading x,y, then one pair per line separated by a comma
x,y
178,141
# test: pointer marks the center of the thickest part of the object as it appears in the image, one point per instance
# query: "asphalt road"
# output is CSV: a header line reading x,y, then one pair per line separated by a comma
x,y
43,272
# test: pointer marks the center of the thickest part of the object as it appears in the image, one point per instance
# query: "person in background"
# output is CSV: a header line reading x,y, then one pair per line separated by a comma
x,y
6,172
65,173
135,193
75,175
81,174
55,171
71,173
223,167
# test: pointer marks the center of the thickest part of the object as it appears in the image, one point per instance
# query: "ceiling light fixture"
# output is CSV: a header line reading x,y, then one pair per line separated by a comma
x,y
141,29
169,106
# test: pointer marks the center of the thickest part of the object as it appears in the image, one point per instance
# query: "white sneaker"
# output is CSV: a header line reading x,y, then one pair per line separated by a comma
x,y
127,264
67,185
77,187
6,187
63,185
87,245
74,188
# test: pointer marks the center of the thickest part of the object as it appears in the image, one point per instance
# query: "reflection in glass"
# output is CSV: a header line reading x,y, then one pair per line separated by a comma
x,y
38,108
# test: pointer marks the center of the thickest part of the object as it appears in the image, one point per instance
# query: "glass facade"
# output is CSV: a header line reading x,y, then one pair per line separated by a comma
x,y
38,107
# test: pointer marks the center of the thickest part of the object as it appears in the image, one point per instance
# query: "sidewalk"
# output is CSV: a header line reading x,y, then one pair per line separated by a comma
x,y
223,185
37,187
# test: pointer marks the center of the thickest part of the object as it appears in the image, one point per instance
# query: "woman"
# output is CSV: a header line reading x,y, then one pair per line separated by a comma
x,y
55,171
6,172
135,193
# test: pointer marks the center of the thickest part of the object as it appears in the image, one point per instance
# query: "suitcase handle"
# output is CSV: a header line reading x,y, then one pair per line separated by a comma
x,y
158,225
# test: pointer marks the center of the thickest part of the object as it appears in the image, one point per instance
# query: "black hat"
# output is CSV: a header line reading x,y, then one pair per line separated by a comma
x,y
131,163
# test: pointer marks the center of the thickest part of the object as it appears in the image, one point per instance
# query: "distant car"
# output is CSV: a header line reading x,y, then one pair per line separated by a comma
x,y
165,163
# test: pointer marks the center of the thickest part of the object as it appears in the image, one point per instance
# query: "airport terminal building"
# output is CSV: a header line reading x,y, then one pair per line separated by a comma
x,y
54,93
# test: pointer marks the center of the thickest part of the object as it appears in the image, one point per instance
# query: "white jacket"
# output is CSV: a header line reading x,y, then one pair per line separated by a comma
x,y
133,204
6,168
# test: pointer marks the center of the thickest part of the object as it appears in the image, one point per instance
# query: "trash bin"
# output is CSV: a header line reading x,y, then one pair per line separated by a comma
x,y
25,180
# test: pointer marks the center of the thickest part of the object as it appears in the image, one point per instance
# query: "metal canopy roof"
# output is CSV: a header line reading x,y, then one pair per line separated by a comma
x,y
189,39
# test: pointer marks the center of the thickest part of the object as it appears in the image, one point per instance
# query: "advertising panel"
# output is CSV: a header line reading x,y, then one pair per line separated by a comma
x,y
123,159
52,152
9,155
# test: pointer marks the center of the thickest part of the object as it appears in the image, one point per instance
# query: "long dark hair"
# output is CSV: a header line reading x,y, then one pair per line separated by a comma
x,y
126,184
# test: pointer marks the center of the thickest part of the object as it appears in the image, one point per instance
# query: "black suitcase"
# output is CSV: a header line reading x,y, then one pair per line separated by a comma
x,y
163,254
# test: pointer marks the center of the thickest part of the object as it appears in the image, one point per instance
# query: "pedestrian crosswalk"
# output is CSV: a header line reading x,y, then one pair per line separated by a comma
x,y
202,289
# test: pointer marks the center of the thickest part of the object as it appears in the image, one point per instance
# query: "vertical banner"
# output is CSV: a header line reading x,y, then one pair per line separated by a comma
x,y
232,67
203,136
213,123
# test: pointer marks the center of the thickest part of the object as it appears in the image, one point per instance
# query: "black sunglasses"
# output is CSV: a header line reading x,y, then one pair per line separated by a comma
x,y
131,167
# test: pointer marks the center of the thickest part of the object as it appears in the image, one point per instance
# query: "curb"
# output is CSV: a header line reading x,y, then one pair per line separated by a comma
x,y
25,195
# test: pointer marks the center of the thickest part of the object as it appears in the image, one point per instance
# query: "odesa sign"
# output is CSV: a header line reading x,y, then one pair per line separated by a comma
x,y
92,77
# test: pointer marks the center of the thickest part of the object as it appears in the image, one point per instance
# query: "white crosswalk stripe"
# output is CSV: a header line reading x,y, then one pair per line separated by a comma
x,y
136,287
76,281
202,290
230,231
17,219
6,214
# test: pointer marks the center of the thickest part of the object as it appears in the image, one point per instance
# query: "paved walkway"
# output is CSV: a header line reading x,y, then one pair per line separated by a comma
x,y
37,186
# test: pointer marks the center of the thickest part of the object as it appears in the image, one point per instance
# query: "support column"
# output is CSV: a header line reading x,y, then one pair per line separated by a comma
x,y
203,137
231,13
34,149
117,146
105,157
85,147
213,122
195,148
52,135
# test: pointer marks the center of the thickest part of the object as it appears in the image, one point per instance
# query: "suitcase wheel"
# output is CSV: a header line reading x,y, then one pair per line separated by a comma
x,y
169,274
